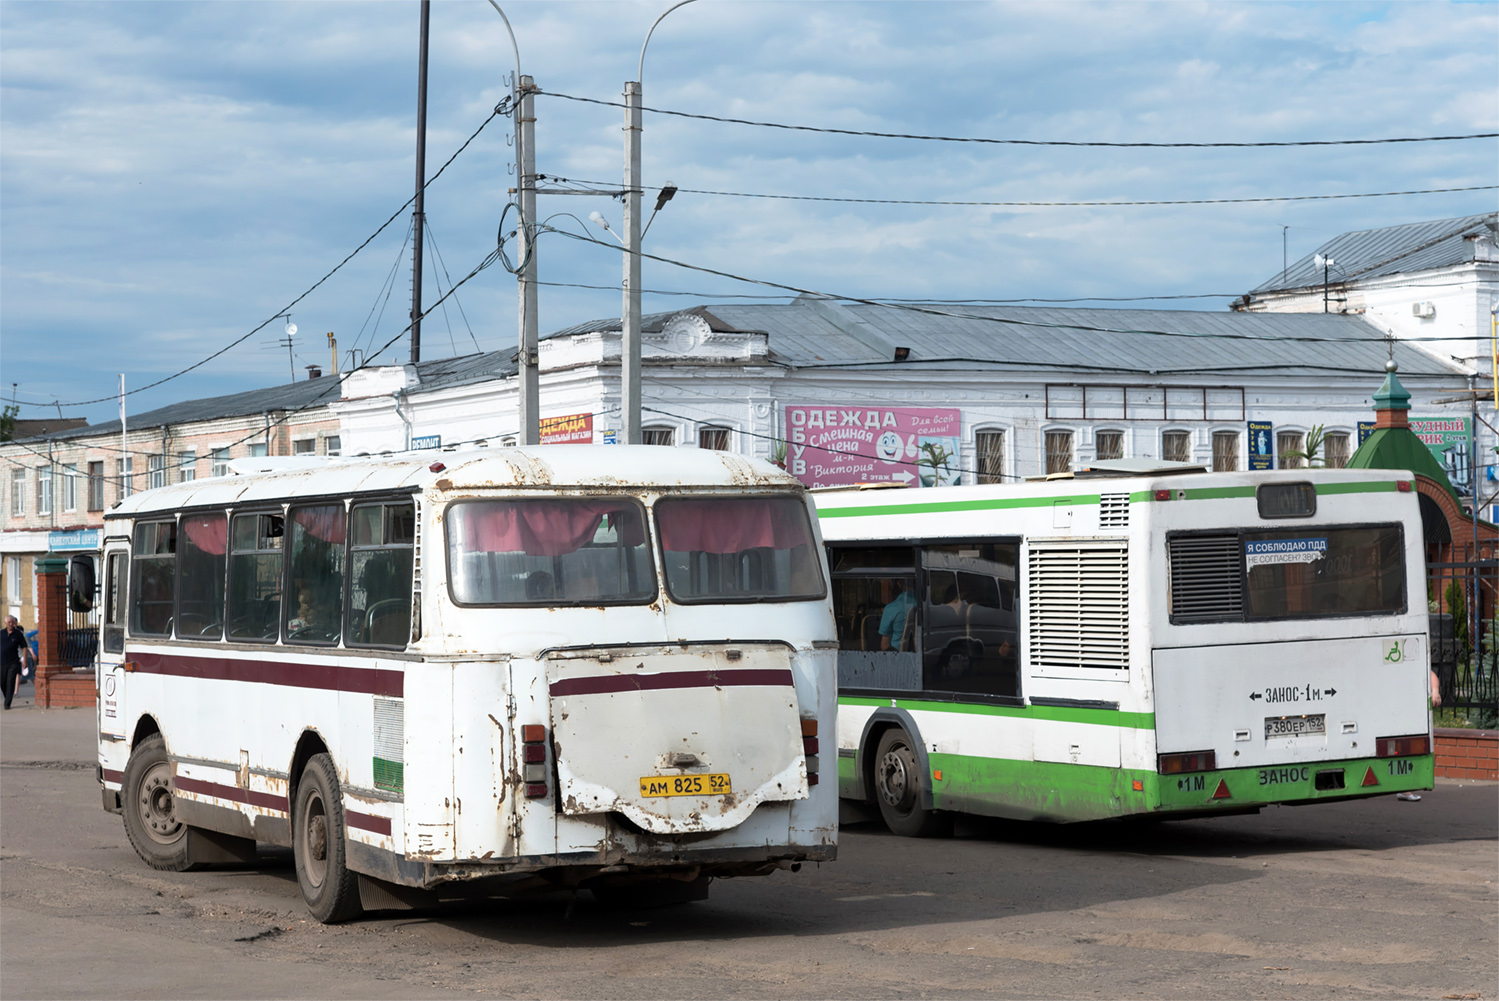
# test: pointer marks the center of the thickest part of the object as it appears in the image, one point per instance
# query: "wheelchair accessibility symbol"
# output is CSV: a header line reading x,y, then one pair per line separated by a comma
x,y
1396,653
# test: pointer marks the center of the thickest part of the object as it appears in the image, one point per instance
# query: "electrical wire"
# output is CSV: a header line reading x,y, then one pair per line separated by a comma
x,y
382,298
1033,204
456,302
501,109
1026,142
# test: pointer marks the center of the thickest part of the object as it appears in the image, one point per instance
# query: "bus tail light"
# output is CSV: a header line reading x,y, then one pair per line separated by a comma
x,y
1192,761
1404,486
809,747
534,755
1402,747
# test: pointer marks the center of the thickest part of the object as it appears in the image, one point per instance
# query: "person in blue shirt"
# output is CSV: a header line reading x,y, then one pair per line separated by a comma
x,y
893,620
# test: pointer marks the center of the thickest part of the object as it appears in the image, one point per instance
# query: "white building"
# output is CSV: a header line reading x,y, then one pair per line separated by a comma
x,y
1011,391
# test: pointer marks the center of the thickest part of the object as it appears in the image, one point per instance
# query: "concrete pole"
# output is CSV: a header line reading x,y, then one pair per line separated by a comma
x,y
629,360
525,153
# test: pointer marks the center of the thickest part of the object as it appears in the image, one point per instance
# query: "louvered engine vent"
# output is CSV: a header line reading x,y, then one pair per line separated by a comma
x,y
1113,511
1207,578
1079,605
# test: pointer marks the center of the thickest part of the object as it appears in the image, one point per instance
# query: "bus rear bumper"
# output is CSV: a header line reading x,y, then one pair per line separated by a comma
x,y
1300,783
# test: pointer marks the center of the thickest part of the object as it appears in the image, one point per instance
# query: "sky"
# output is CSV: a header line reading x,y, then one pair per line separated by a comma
x,y
174,175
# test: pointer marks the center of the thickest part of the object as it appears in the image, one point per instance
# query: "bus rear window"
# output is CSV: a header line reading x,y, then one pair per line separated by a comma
x,y
549,552
1315,572
738,549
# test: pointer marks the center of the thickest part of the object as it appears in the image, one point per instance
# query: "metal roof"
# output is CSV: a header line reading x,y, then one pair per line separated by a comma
x,y
1389,250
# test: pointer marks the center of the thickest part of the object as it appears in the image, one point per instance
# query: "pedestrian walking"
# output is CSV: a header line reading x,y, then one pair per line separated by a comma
x,y
15,653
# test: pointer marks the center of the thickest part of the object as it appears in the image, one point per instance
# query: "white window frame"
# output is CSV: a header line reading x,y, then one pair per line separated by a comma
x,y
310,449
1239,458
125,475
13,579
187,465
1350,439
672,429
1191,443
70,488
1300,434
1004,454
706,428
218,457
264,449
1071,434
18,492
43,489
332,444
156,471
89,477
1123,442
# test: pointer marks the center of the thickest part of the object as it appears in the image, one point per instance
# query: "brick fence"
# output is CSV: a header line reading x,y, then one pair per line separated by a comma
x,y
1468,754
58,686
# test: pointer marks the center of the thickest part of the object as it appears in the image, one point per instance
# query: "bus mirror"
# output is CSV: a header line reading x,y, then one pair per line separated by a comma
x,y
81,583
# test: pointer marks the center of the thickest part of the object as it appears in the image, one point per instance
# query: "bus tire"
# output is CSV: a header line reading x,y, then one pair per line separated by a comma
x,y
898,788
318,833
151,823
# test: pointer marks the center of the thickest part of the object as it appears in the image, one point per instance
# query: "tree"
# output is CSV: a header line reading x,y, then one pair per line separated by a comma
x,y
8,422
1310,446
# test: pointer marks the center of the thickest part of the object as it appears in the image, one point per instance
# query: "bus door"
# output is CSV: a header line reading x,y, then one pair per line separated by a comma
x,y
110,679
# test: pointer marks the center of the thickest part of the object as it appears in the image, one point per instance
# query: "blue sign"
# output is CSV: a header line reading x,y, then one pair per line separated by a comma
x,y
85,539
1365,429
611,437
427,441
1261,445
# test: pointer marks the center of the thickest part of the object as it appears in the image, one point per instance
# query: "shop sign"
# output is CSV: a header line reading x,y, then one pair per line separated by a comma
x,y
1261,445
574,429
829,446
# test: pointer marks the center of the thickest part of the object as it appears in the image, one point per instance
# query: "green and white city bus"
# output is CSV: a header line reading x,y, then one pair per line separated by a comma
x,y
1169,644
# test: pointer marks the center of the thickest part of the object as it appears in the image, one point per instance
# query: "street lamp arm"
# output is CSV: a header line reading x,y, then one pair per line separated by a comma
x,y
513,46
640,70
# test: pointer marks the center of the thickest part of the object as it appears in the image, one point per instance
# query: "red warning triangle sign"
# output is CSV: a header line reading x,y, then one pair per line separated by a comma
x,y
1222,791
1369,779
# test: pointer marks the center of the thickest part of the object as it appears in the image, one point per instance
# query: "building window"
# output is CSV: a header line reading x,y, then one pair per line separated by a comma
x,y
70,488
304,446
658,436
1110,444
259,449
1287,443
989,454
17,493
13,579
334,446
1176,446
187,465
1335,451
96,486
218,462
1225,451
123,470
44,490
713,438
156,469
1058,452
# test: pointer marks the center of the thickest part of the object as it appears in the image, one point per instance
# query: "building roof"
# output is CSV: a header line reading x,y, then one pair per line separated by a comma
x,y
1400,448
821,333
1389,250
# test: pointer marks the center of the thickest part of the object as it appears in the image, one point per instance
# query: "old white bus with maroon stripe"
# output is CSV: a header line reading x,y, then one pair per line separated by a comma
x,y
501,671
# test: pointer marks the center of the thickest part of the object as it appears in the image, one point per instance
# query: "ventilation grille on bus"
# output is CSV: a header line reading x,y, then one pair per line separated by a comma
x,y
390,744
1207,582
1079,605
1113,511
416,571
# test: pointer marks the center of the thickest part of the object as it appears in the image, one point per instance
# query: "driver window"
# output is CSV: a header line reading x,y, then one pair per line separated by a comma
x,y
315,577
380,560
114,605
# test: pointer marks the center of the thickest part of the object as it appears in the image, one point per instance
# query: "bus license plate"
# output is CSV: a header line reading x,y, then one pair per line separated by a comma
x,y
684,785
1294,726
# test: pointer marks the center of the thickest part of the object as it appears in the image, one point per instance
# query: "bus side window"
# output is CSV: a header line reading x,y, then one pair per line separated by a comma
x,y
875,605
114,605
315,578
970,636
152,591
380,567
254,602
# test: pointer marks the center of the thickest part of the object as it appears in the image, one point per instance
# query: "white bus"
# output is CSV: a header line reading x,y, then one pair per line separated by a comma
x,y
500,671
1162,645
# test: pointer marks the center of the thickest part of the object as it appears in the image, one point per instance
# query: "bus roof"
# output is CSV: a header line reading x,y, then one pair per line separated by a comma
x,y
559,466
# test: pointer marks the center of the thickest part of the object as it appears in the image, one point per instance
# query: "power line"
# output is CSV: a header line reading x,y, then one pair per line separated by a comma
x,y
1028,142
501,109
1104,204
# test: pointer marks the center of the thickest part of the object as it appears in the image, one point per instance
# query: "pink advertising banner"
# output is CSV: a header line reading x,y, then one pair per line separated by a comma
x,y
833,446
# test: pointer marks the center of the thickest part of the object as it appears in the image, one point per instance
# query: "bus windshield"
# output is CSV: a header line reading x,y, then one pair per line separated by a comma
x,y
738,549
549,552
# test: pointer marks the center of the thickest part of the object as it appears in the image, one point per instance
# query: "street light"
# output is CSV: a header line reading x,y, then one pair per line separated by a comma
x,y
630,321
1325,263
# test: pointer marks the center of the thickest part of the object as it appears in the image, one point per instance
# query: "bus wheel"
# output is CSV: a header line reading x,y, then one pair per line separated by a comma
x,y
898,784
150,819
330,889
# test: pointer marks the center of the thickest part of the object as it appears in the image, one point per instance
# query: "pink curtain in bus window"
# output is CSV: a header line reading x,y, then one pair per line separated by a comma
x,y
728,525
540,529
326,523
207,532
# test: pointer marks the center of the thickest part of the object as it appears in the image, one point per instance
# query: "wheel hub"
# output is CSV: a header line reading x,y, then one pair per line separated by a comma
x,y
895,783
157,813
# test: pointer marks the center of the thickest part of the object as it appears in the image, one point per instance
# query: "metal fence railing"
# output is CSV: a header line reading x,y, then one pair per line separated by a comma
x,y
1462,601
80,638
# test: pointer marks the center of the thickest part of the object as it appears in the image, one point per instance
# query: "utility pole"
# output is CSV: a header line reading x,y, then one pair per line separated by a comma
x,y
629,358
525,156
418,216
